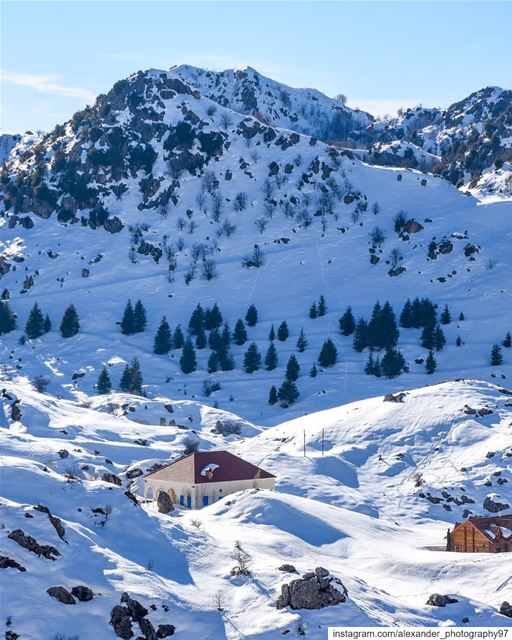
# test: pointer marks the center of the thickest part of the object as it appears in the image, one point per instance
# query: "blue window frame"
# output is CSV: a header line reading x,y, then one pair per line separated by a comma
x,y
182,501
205,501
189,502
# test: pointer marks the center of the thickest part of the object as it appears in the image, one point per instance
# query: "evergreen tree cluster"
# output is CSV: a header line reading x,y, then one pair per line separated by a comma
x,y
134,318
318,309
131,380
381,332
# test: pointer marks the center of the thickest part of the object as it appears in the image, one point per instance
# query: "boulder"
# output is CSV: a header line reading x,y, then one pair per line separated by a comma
x,y
287,568
315,590
165,630
438,600
31,544
134,607
147,629
397,271
396,397
413,226
112,478
120,620
9,563
506,609
56,522
134,473
61,594
492,504
82,593
164,502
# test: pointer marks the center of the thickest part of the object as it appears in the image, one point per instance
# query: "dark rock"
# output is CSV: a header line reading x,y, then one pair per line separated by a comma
x,y
165,630
506,609
164,502
484,412
63,453
112,478
397,397
397,271
31,544
445,246
287,568
147,629
9,563
120,620
61,594
82,593
15,411
315,590
413,226
374,259
131,497
135,609
134,473
438,600
113,225
56,522
492,505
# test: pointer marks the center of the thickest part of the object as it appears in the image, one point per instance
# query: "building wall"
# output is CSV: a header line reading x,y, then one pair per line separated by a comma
x,y
197,496
467,538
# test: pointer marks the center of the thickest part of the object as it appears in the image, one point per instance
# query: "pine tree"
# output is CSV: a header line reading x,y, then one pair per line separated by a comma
x,y
313,311
272,396
34,327
282,331
251,317
388,328
369,367
427,336
458,342
163,338
374,325
212,318
178,339
215,341
446,316
328,354
252,359
288,392
406,315
439,339
201,340
139,317
507,342
347,322
461,316
188,362
313,372
104,385
292,369
496,355
196,322
416,313
430,364
225,337
271,358
377,368
361,335
213,362
392,363
302,343
272,334
126,379
322,306
47,324
428,313
70,324
239,333
128,321
135,377
7,318
226,362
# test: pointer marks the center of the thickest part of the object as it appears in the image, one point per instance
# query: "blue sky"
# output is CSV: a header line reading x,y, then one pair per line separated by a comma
x,y
56,56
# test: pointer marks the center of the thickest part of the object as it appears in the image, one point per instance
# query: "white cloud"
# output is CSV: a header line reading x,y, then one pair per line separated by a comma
x,y
46,84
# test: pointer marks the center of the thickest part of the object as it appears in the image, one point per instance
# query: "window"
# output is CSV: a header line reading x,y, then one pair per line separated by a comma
x,y
458,547
182,501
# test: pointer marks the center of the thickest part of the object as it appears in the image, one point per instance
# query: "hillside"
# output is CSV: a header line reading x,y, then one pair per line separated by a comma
x,y
179,201
326,512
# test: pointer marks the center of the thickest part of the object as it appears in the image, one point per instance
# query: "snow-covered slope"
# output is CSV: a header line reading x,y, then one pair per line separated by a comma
x,y
174,192
306,111
329,510
15,144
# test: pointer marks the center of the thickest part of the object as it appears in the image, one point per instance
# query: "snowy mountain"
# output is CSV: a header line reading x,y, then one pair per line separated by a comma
x,y
306,111
472,138
158,194
15,144
399,471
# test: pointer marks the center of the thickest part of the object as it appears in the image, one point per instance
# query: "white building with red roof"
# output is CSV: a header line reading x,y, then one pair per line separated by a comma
x,y
203,477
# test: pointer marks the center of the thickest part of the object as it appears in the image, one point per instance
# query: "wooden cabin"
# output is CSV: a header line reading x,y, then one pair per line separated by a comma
x,y
481,534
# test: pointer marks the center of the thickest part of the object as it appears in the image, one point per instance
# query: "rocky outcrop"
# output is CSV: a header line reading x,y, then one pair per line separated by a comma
x,y
134,607
61,594
438,600
112,478
164,502
82,593
165,631
315,590
492,504
9,563
506,609
56,522
31,544
134,473
287,568
121,622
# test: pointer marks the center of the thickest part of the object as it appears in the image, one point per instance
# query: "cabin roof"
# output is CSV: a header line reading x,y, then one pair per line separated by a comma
x,y
203,467
492,527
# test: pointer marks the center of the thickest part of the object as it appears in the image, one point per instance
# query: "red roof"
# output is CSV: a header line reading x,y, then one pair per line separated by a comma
x,y
217,466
